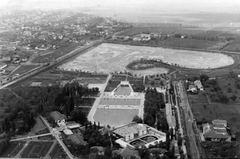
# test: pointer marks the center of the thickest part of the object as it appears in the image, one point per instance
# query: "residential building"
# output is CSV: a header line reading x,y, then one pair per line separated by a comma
x,y
217,131
198,84
192,89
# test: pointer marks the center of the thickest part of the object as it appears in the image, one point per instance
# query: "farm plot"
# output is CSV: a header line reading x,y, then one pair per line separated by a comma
x,y
57,153
108,58
23,69
36,149
194,43
12,149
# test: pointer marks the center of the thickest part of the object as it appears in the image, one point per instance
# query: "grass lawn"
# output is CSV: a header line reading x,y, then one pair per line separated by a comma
x,y
112,85
119,77
13,149
197,98
115,117
38,126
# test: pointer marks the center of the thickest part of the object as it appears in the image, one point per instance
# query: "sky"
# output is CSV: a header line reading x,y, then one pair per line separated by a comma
x,y
123,5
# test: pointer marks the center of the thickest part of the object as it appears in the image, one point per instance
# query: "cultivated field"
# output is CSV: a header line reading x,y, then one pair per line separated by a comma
x,y
23,69
36,149
115,117
57,153
114,58
12,149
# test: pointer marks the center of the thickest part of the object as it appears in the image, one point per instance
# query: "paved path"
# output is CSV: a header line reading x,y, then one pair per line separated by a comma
x,y
30,137
69,154
19,153
95,105
47,156
189,119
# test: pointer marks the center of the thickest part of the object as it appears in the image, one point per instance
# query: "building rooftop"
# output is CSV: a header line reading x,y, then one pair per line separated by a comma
x,y
57,116
222,122
210,132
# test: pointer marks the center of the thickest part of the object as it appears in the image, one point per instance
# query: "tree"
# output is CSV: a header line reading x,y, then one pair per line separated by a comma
x,y
137,119
204,77
233,97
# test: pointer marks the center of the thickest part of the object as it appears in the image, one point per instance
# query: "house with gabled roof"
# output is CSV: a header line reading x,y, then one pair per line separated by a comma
x,y
217,131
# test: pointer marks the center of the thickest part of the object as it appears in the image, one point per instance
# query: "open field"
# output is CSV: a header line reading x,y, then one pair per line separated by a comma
x,y
115,117
230,86
114,58
57,153
10,68
198,98
163,29
194,43
36,149
13,149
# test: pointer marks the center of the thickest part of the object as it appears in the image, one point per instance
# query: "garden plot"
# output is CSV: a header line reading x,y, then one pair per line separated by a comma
x,y
114,58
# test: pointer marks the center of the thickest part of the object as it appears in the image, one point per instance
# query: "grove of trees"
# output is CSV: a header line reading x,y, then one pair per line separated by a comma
x,y
154,101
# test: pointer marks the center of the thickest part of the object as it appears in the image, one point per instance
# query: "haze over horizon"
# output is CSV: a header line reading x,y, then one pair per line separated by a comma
x,y
167,6
140,11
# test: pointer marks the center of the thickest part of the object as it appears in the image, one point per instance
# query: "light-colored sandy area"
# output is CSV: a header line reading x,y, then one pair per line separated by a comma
x,y
114,57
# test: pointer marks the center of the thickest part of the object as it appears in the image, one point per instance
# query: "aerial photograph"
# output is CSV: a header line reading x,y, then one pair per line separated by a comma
x,y
120,79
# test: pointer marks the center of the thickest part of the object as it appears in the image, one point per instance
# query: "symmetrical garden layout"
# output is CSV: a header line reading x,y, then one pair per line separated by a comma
x,y
117,108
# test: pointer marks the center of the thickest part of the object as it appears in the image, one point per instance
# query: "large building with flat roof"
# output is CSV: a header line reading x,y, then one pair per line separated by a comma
x,y
138,135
